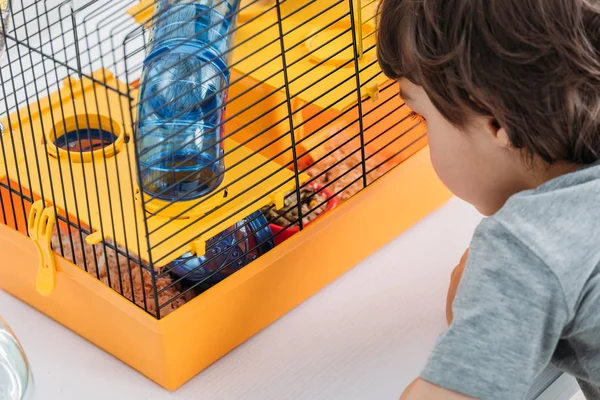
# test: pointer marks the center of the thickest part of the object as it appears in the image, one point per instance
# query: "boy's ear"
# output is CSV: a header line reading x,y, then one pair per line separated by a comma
x,y
500,135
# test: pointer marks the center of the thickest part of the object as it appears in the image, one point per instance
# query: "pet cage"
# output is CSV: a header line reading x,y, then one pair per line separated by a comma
x,y
175,175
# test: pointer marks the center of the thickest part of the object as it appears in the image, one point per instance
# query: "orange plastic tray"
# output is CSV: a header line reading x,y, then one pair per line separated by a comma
x,y
172,350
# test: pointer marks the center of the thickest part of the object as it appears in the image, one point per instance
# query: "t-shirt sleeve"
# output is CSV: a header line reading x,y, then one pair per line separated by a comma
x,y
509,313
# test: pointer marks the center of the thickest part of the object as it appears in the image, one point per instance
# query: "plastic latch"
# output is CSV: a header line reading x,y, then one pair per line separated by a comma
x,y
94,238
40,222
278,198
142,13
198,247
373,91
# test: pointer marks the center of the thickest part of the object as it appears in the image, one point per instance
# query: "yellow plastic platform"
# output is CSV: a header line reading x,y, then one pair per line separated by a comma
x,y
95,196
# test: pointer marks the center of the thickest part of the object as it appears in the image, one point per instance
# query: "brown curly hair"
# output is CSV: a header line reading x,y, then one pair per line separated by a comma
x,y
531,65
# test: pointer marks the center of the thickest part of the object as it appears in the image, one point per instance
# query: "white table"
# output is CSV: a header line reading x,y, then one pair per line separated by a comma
x,y
366,336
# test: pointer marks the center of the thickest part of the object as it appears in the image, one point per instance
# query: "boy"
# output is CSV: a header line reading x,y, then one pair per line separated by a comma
x,y
510,91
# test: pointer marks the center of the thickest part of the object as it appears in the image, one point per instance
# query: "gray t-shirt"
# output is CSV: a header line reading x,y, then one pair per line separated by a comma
x,y
529,296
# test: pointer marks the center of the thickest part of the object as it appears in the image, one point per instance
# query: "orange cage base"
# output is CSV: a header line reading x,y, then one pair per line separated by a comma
x,y
172,350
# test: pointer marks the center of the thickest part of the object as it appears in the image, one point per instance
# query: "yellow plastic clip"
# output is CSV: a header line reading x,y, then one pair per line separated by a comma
x,y
278,198
198,247
40,222
94,238
142,13
373,91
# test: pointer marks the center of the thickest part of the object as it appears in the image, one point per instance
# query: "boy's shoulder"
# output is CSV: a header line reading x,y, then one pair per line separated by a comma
x,y
521,293
559,223
562,214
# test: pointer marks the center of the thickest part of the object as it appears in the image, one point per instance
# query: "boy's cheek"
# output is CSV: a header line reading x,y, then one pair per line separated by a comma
x,y
462,168
449,163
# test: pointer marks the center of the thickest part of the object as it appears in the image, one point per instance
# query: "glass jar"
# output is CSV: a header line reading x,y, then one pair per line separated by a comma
x,y
16,381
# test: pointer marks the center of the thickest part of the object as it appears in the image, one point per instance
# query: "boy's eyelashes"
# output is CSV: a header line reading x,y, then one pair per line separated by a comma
x,y
416,117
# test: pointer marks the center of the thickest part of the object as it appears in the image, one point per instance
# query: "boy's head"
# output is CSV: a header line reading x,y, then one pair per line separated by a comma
x,y
510,89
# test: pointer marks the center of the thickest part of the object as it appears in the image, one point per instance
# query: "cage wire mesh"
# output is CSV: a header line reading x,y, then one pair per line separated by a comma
x,y
178,141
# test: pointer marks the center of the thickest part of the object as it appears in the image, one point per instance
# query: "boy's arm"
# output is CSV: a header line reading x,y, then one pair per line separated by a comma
x,y
509,315
423,390
454,282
